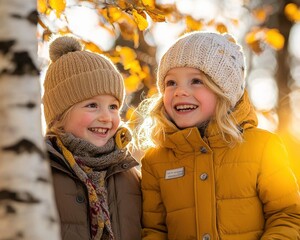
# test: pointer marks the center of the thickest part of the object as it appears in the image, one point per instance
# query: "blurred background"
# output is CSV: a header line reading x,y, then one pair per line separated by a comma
x,y
135,34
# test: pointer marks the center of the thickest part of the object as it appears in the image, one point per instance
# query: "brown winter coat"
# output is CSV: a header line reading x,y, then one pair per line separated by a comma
x,y
124,199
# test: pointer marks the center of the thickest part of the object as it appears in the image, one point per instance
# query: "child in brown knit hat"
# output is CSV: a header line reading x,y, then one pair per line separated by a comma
x,y
97,187
212,174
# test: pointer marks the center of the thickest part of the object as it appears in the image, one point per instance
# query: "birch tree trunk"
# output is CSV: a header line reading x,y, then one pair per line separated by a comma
x,y
27,206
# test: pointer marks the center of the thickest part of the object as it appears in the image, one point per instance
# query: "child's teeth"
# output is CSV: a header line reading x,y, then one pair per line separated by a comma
x,y
183,107
99,130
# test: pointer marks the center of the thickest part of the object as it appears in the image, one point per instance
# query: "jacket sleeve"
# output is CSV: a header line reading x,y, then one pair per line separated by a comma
x,y
154,213
279,192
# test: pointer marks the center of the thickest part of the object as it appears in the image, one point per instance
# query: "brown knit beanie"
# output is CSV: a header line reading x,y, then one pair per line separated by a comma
x,y
217,55
76,75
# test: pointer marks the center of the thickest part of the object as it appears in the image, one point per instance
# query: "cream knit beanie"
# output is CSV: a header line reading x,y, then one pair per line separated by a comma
x,y
76,75
217,55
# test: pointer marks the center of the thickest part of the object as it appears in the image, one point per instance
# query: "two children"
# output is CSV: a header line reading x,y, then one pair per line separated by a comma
x,y
96,184
212,173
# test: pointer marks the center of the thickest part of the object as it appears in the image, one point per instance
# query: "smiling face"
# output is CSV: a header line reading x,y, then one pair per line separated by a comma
x,y
95,120
187,101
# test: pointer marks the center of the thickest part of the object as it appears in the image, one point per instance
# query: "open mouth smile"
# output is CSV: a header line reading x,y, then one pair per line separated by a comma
x,y
185,107
99,130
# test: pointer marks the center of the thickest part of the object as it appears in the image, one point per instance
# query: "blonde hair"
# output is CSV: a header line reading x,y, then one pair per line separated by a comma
x,y
56,127
153,121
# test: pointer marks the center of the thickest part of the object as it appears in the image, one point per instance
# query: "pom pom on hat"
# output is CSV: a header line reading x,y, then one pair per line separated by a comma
x,y
62,46
217,55
76,75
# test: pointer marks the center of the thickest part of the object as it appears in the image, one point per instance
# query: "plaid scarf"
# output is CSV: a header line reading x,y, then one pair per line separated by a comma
x,y
90,164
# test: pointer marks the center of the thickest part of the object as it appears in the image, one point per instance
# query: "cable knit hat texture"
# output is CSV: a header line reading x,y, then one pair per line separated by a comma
x,y
217,55
76,75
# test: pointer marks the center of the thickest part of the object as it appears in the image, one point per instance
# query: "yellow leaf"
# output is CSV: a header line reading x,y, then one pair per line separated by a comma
x,y
290,9
260,14
152,91
296,17
127,55
256,46
156,15
292,12
112,14
122,4
254,41
166,8
274,38
115,59
64,31
135,67
193,24
149,80
140,20
130,115
221,28
251,37
150,3
103,12
129,29
115,13
136,39
42,6
142,75
58,5
92,47
132,83
169,11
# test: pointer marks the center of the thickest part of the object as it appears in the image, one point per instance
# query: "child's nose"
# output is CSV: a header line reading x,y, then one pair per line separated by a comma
x,y
181,91
104,116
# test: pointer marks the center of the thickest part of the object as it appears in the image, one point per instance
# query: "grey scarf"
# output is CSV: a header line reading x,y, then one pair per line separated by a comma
x,y
90,164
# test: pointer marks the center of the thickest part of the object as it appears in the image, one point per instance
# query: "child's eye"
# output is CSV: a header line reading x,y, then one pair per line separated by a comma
x,y
114,107
197,81
92,105
169,83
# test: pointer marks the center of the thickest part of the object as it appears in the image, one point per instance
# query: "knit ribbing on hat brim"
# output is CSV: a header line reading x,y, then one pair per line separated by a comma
x,y
81,87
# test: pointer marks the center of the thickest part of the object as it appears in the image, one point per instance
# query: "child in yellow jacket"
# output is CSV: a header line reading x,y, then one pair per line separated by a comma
x,y
212,174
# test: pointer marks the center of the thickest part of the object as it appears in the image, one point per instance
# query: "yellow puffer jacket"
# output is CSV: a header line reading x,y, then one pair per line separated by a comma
x,y
200,189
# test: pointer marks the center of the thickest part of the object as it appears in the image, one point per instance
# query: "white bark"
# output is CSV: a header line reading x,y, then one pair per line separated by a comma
x,y
27,206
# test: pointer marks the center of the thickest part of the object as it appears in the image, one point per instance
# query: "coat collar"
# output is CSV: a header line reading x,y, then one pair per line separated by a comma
x,y
57,160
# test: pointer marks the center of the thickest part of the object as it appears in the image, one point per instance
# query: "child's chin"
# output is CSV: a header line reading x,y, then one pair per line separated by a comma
x,y
183,126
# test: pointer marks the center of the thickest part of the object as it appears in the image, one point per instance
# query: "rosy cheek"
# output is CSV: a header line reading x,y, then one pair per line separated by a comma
x,y
165,99
85,120
117,120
